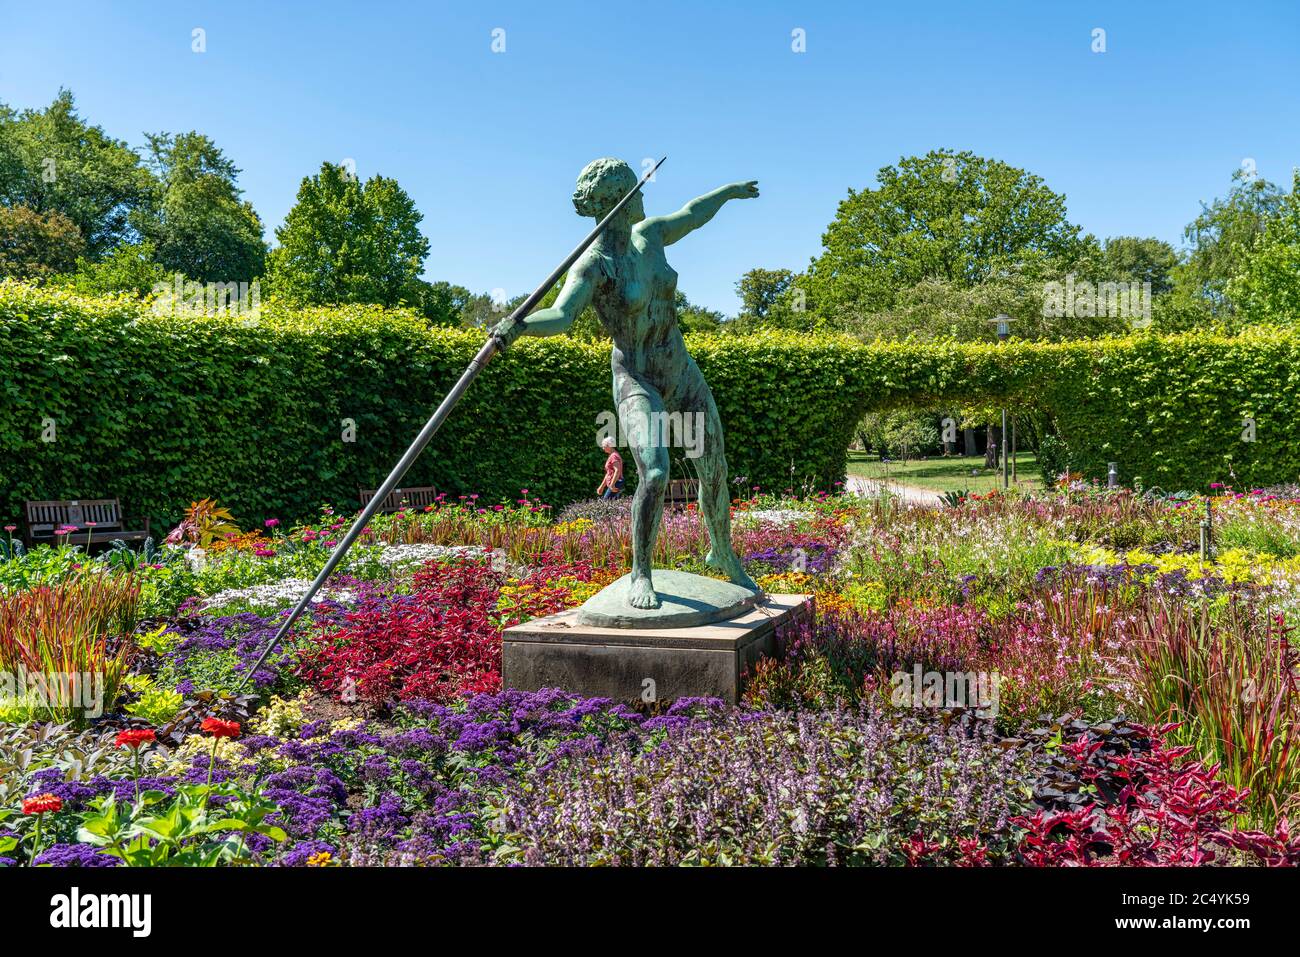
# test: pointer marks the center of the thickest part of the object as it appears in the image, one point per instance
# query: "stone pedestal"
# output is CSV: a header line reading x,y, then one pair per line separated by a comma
x,y
647,663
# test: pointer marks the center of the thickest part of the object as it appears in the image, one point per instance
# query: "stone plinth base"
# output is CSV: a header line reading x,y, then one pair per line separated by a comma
x,y
685,600
648,664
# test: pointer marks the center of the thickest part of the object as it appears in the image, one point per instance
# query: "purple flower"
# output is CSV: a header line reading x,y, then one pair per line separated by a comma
x,y
74,855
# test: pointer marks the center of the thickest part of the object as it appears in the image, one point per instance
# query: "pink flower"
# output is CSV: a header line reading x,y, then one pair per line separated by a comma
x,y
271,522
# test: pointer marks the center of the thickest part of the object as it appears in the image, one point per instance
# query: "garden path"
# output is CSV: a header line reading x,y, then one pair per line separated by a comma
x,y
911,494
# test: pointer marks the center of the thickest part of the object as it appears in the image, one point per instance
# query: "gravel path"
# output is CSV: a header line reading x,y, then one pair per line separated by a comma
x,y
910,494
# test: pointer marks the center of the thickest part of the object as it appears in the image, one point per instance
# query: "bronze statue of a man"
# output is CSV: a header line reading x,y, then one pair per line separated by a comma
x,y
626,276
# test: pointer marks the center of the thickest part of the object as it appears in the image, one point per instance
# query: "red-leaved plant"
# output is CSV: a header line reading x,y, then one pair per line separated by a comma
x,y
442,640
1169,811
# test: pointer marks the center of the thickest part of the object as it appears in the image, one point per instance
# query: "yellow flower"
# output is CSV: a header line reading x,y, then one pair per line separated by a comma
x,y
575,527
227,749
281,718
323,859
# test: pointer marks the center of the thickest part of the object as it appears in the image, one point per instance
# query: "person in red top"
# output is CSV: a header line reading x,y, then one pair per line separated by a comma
x,y
612,485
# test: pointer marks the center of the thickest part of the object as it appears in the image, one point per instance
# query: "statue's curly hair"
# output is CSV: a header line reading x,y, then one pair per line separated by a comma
x,y
601,184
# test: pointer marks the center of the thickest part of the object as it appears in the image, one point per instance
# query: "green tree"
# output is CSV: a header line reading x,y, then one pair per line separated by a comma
x,y
442,302
53,161
941,309
1222,239
1138,259
760,291
198,224
345,241
692,317
130,268
36,245
949,216
1267,290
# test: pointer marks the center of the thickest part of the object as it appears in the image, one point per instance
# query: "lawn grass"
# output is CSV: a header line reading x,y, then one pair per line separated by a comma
x,y
952,474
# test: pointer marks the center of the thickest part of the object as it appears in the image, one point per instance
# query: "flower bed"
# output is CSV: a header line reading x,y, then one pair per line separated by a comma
x,y
1043,681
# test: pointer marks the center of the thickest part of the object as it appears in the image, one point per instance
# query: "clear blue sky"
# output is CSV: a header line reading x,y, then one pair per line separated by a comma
x,y
488,144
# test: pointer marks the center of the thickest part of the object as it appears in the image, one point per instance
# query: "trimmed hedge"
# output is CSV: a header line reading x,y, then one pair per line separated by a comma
x,y
159,411
1169,410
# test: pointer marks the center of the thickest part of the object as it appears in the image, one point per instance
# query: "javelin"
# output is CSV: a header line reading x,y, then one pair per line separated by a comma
x,y
476,365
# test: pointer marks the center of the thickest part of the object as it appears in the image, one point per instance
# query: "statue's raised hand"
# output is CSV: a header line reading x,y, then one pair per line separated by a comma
x,y
748,190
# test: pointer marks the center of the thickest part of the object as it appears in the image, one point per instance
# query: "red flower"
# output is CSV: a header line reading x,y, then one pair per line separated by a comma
x,y
135,737
42,804
220,729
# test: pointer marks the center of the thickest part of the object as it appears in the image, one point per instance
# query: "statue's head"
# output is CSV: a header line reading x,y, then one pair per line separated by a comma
x,y
601,184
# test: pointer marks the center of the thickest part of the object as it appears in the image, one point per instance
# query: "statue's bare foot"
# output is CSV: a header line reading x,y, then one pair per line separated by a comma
x,y
740,577
732,568
641,594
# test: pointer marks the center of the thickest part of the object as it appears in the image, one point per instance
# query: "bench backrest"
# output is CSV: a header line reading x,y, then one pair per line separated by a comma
x,y
44,517
419,497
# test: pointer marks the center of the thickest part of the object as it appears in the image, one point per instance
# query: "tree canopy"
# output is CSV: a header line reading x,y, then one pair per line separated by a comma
x,y
950,216
52,161
37,245
197,222
1267,289
348,241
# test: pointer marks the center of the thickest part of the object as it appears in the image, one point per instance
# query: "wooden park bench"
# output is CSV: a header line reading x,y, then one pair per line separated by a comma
x,y
682,492
96,521
416,499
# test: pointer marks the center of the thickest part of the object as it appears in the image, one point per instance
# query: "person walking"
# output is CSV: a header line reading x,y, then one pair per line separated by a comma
x,y
612,486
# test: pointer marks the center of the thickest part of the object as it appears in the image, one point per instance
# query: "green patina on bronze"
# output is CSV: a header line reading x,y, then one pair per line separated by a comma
x,y
626,277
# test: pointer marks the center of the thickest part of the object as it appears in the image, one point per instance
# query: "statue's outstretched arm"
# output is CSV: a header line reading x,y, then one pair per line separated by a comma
x,y
699,211
573,298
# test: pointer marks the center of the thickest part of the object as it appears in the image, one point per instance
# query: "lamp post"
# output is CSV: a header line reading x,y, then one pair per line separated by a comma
x,y
1003,323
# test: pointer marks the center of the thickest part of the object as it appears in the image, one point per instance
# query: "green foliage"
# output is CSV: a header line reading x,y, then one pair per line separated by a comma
x,y
30,747
944,309
946,215
1223,239
264,433
1268,289
899,433
156,706
35,245
760,292
442,302
186,830
197,222
345,241
1053,458
1138,259
53,161
130,268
